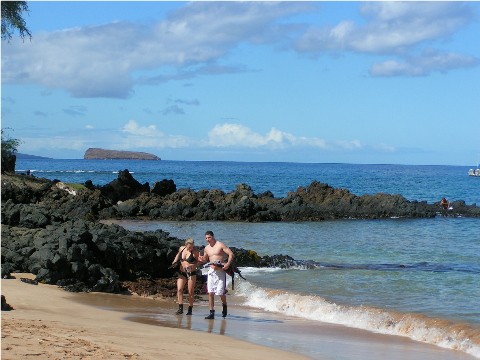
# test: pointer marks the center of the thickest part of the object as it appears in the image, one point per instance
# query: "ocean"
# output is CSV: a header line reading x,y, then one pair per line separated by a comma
x,y
418,278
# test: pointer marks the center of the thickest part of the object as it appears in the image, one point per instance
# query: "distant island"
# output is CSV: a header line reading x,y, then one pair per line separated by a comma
x,y
95,153
27,156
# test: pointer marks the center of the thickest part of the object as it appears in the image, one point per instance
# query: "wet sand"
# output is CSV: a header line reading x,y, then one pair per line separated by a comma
x,y
109,326
47,323
311,338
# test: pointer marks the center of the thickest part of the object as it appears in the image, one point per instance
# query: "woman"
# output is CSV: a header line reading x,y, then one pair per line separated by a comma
x,y
188,258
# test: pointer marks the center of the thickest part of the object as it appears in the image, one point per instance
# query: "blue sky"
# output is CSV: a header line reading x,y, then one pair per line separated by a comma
x,y
326,82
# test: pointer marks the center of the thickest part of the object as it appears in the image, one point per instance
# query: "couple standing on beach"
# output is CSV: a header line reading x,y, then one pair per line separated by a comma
x,y
190,259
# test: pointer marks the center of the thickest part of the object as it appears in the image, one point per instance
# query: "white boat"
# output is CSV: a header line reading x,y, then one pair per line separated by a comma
x,y
474,172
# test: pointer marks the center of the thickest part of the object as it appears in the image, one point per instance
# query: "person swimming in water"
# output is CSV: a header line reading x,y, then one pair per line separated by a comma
x,y
188,258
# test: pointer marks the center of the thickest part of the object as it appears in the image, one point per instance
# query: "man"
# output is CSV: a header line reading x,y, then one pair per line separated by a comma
x,y
215,252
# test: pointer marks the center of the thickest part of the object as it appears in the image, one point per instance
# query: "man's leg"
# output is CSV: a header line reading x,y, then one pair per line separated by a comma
x,y
211,298
224,305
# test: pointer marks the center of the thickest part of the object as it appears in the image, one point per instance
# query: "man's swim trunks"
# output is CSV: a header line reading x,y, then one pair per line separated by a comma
x,y
217,281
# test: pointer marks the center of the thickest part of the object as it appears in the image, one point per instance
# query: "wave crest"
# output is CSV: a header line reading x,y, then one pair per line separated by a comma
x,y
415,326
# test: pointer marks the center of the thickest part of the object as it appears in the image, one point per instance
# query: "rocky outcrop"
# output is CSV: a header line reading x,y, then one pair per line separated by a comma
x,y
95,153
124,187
6,306
87,255
126,198
313,203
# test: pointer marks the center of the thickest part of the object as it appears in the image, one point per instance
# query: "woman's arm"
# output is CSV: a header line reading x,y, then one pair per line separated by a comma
x,y
177,257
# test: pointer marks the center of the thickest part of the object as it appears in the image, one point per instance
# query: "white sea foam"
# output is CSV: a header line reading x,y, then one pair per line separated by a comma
x,y
417,327
257,271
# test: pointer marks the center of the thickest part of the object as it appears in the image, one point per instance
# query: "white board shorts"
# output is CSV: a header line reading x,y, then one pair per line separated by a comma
x,y
217,281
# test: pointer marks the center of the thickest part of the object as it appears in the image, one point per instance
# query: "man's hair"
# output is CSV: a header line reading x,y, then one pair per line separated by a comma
x,y
209,233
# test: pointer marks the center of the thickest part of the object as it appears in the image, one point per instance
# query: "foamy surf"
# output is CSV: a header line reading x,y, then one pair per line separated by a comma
x,y
417,327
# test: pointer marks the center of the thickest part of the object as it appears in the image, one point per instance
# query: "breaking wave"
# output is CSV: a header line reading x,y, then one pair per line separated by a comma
x,y
415,326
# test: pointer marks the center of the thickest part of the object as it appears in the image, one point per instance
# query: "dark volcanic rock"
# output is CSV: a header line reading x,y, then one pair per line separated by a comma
x,y
124,187
315,202
95,254
5,305
164,187
125,198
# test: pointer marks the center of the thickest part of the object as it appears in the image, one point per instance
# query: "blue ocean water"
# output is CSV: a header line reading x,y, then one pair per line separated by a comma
x,y
422,183
412,277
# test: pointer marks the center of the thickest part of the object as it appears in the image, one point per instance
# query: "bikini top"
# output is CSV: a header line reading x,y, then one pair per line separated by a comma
x,y
191,259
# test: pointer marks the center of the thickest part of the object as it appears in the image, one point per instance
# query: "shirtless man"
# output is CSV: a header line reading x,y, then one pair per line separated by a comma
x,y
215,252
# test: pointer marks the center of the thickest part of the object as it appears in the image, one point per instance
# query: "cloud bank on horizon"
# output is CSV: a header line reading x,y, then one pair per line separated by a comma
x,y
197,46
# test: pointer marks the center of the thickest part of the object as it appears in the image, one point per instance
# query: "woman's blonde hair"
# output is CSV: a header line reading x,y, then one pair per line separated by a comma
x,y
189,241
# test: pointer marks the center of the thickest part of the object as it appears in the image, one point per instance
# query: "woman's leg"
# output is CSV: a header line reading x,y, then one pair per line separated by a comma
x,y
191,289
180,285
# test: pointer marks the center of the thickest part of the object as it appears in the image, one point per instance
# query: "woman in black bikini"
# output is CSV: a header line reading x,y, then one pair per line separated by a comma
x,y
188,257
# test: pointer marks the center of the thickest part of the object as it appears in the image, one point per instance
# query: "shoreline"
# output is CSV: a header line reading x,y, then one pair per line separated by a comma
x,y
315,339
48,321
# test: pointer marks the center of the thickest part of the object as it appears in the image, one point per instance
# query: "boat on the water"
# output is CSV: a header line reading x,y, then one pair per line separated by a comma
x,y
474,172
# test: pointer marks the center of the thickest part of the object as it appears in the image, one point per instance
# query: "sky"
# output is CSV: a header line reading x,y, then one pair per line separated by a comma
x,y
309,82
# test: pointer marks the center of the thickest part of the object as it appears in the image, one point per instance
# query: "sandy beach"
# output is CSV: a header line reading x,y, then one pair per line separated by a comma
x,y
50,323
47,323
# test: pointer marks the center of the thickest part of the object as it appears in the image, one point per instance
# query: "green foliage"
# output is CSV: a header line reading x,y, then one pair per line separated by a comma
x,y
76,186
9,145
9,148
12,19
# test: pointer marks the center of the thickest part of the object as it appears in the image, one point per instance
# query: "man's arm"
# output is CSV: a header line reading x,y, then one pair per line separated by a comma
x,y
229,252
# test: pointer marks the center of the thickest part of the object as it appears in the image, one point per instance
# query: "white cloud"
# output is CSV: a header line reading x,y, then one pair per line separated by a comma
x,y
430,61
98,60
349,145
135,136
235,135
133,128
385,147
397,28
392,27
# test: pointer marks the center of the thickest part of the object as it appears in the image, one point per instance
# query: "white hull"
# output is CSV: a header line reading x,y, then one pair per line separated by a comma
x,y
473,172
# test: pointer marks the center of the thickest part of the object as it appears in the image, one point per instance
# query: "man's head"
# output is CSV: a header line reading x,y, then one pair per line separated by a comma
x,y
210,237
